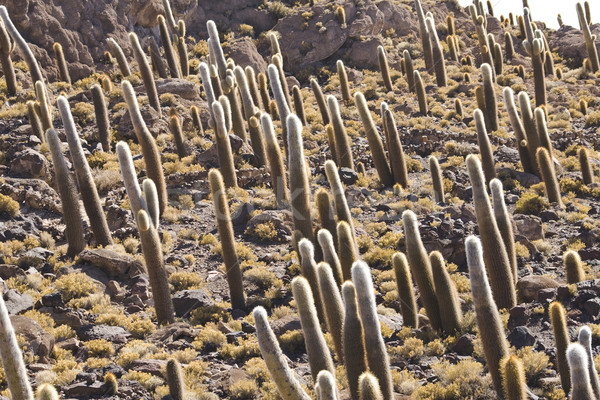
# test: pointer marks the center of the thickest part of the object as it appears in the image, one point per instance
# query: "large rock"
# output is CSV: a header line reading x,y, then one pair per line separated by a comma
x,y
569,43
16,302
30,164
114,334
362,53
115,265
244,52
186,301
39,342
529,286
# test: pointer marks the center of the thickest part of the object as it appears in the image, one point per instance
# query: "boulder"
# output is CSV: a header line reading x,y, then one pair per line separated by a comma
x,y
30,164
38,341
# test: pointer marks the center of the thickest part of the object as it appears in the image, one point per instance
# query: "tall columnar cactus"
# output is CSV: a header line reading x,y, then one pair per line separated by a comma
x,y
87,186
369,387
117,52
247,100
319,357
437,54
150,151
253,85
217,50
437,180
299,179
341,204
68,196
542,129
452,47
513,378
580,377
175,380
45,110
283,109
589,38
326,388
157,274
332,305
424,34
374,140
355,359
101,113
344,85
347,249
421,95
408,304
230,86
299,104
146,73
181,47
495,346
321,102
277,60
498,59
326,214
258,141
6,48
309,271
225,228
384,68
196,121
34,120
520,134
573,267
410,75
151,199
168,47
558,319
420,266
504,222
489,92
224,152
534,45
342,141
137,201
585,339
509,46
377,356
204,72
496,258
275,160
587,173
32,64
327,243
485,147
63,69
546,167
445,291
158,64
177,132
287,385
395,150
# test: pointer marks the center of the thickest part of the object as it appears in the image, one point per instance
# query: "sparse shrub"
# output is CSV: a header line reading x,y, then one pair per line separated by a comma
x,y
8,206
530,203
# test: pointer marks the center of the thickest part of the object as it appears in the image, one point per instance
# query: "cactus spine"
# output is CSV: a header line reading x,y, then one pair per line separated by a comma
x,y
6,48
225,228
319,357
485,147
491,108
384,68
513,378
342,141
369,387
546,167
408,304
558,319
68,196
437,54
63,69
355,359
332,305
287,385
102,120
374,140
445,291
175,380
491,332
34,68
585,339
496,258
421,96
504,222
580,377
146,73
87,186
148,144
438,181
420,266
587,173
573,267
589,38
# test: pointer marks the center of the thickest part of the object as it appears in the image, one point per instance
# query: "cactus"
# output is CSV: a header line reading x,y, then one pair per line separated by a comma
x,y
277,60
410,76
549,63
318,93
283,109
196,121
485,147
146,73
437,54
45,111
347,249
374,140
111,383
258,142
580,376
309,271
445,291
273,40
204,73
181,47
299,180
63,69
397,158
331,142
32,64
589,38
156,59
6,48
319,357
276,166
217,50
421,268
326,214
168,47
573,267
327,244
333,306
340,14
534,45
68,196
519,129
355,359
151,198
504,222
230,86
253,86
436,178
46,391
491,108
377,356
558,319
496,258
326,389
287,385
342,142
34,121
225,228
495,346
424,34
344,85
299,104
150,151
421,96
247,100
85,181
117,53
177,132
513,378
341,204
226,165
546,167
175,380
408,304
369,387
587,173
585,339
263,91
509,46
458,108
384,68
102,120
137,201
542,129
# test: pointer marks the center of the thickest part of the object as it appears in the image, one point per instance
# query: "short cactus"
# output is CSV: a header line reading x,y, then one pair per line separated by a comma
x,y
102,121
347,249
309,271
513,378
384,68
332,306
546,168
344,85
585,339
175,380
326,389
408,304
355,359
369,387
445,291
421,95
573,267
63,69
342,141
437,180
177,132
580,376
587,173
46,392
558,320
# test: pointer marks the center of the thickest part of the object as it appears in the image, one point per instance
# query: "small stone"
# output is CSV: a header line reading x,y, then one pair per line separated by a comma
x,y
592,306
114,334
548,215
521,337
529,286
348,176
30,164
16,303
186,301
464,345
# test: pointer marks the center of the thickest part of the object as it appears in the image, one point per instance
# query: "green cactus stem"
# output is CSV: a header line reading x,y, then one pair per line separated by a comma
x,y
146,72
355,359
408,304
